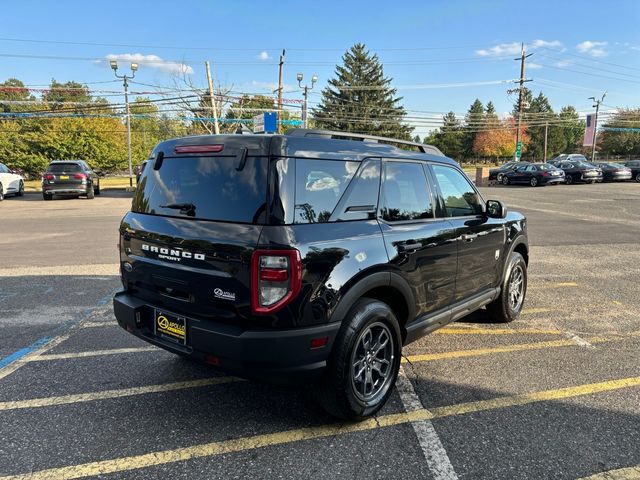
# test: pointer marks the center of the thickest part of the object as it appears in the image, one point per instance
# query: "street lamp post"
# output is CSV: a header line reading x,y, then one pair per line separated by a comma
x,y
306,88
595,124
125,82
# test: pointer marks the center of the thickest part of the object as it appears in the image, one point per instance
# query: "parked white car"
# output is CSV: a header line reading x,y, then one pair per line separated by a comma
x,y
10,183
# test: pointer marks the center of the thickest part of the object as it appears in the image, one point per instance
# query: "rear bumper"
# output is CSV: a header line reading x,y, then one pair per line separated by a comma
x,y
550,180
276,355
61,190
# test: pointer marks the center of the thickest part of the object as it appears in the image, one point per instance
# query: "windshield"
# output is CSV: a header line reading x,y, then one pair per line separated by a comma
x,y
208,188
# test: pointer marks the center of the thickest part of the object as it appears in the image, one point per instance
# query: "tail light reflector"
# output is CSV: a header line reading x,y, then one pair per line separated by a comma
x,y
276,277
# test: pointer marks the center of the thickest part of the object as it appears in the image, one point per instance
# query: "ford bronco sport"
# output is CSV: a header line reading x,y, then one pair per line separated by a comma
x,y
313,255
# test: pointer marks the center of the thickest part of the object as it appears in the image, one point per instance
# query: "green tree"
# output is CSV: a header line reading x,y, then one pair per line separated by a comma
x,y
71,91
360,98
449,138
572,129
621,133
473,121
246,108
14,90
537,114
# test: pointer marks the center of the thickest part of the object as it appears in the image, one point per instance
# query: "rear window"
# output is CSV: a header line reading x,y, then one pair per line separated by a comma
x,y
207,188
64,167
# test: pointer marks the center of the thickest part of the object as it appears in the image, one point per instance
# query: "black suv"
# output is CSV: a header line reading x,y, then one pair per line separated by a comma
x,y
314,255
70,178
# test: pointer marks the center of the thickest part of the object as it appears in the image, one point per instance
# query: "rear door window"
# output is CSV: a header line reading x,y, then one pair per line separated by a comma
x,y
209,188
405,193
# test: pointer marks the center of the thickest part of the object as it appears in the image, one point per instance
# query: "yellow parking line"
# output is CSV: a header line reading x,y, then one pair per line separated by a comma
x,y
137,462
98,324
494,331
630,473
107,394
92,353
429,357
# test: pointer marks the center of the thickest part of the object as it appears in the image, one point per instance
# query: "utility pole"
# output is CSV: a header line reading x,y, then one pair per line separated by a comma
x,y
214,110
523,56
595,125
305,105
279,90
125,82
546,131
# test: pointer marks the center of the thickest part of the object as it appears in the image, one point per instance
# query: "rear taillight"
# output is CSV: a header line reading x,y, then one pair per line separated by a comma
x,y
276,276
80,176
48,176
545,174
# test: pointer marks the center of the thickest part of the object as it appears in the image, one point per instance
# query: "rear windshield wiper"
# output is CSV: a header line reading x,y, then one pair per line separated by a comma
x,y
186,208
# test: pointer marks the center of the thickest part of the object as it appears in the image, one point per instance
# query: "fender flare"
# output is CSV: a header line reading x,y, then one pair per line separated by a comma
x,y
375,280
519,240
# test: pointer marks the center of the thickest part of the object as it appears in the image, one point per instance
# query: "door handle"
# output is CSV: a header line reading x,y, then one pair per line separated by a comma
x,y
468,237
409,246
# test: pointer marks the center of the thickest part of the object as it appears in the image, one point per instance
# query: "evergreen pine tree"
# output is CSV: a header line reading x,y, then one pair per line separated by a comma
x,y
448,139
473,120
360,99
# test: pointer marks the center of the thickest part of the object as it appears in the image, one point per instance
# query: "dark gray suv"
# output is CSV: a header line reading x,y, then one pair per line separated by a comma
x,y
70,178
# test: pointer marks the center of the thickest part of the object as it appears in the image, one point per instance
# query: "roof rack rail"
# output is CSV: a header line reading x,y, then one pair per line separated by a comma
x,y
307,132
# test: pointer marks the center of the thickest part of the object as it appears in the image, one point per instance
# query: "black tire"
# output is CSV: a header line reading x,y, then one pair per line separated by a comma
x,y
502,309
638,177
20,189
568,179
90,193
96,190
533,182
499,177
1,193
47,196
505,180
337,391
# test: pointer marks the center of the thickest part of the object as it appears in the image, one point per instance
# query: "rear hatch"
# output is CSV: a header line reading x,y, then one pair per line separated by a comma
x,y
195,221
65,175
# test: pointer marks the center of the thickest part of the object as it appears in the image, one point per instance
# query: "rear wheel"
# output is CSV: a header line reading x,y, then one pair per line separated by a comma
x,y
46,196
1,192
96,190
507,307
90,192
568,179
20,189
533,182
638,177
364,363
505,180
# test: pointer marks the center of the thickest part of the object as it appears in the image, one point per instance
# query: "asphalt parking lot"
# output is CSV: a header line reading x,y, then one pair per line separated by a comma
x,y
555,394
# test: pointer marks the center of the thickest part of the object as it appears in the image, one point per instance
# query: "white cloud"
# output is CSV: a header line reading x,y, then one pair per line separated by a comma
x,y
264,55
150,61
533,65
513,48
500,50
563,63
557,44
592,48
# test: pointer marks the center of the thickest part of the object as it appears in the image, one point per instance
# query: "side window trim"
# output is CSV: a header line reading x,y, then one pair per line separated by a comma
x,y
443,211
341,207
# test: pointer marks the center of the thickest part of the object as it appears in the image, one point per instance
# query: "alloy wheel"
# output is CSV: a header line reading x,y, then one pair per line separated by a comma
x,y
516,288
372,363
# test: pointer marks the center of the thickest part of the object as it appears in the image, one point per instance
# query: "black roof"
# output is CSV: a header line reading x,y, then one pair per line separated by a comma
x,y
310,144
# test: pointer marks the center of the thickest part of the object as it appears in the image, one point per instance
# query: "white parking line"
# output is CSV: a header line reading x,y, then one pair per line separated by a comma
x,y
432,447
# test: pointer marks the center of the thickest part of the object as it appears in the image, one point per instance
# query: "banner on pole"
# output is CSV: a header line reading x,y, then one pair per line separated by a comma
x,y
587,141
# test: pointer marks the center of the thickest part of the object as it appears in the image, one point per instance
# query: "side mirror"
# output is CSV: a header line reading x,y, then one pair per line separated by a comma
x,y
495,209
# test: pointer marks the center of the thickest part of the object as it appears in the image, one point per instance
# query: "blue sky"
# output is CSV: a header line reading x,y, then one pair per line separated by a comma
x,y
441,54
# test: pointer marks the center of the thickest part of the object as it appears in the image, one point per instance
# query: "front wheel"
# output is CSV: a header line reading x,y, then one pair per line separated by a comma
x,y
499,178
638,177
364,363
568,179
20,189
1,193
507,307
505,180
